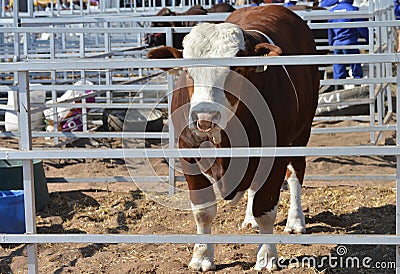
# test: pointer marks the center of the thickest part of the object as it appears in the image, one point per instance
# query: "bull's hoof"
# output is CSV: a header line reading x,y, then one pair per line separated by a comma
x,y
202,264
250,223
271,265
295,222
295,229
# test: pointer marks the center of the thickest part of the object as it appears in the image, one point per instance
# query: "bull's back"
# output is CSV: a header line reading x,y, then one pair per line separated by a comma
x,y
282,25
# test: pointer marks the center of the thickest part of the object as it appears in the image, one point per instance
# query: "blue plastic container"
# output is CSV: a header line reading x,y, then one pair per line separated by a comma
x,y
12,214
11,178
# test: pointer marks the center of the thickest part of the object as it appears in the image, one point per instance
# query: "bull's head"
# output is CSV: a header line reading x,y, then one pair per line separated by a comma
x,y
212,102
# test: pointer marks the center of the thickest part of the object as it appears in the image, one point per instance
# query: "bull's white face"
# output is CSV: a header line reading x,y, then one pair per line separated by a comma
x,y
211,106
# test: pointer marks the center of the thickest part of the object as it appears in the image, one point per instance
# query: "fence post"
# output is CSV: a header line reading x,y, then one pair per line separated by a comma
x,y
371,74
171,137
168,37
107,49
25,144
17,22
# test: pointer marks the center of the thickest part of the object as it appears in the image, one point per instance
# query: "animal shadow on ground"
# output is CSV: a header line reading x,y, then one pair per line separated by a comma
x,y
5,261
85,143
65,206
376,161
351,259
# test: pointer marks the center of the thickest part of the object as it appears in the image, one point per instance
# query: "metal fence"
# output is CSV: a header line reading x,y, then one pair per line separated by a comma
x,y
120,36
29,8
98,50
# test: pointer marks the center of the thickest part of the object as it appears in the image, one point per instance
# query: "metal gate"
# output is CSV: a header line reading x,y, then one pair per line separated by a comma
x,y
379,59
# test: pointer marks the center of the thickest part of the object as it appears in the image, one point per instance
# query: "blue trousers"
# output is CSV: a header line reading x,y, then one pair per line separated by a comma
x,y
339,70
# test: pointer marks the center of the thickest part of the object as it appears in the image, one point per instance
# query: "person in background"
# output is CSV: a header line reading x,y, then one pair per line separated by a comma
x,y
328,3
305,4
290,3
343,37
255,3
273,1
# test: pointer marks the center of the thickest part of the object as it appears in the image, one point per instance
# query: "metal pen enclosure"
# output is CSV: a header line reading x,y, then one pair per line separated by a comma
x,y
109,52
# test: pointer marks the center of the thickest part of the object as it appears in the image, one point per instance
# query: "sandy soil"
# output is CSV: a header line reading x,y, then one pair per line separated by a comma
x,y
343,207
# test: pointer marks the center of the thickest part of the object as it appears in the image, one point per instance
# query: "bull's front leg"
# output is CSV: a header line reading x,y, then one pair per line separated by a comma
x,y
203,254
265,205
267,254
204,210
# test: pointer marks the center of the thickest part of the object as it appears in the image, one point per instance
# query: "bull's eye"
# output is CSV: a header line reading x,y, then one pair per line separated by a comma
x,y
188,76
239,70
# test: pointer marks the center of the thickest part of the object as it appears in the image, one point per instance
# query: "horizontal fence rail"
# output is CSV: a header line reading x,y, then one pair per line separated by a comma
x,y
140,179
372,239
198,153
126,63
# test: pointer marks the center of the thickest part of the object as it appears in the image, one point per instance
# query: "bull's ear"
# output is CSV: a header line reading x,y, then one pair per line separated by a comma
x,y
266,49
164,53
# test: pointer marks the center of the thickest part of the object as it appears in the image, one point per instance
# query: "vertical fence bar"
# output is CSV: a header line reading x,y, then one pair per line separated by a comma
x,y
52,9
25,143
26,44
16,18
53,76
3,8
371,73
388,15
168,37
107,49
83,75
82,42
58,5
81,6
171,137
71,6
30,8
379,73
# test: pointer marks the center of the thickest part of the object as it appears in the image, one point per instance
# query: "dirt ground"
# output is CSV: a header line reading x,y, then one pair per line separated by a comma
x,y
341,207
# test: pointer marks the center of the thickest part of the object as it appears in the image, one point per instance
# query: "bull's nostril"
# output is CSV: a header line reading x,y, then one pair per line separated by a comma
x,y
205,119
194,117
216,117
204,125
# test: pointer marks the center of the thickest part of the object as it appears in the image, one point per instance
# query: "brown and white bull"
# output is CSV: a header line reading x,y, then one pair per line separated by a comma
x,y
245,106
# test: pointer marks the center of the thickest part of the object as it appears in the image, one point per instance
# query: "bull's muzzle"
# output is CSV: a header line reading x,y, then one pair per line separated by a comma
x,y
205,120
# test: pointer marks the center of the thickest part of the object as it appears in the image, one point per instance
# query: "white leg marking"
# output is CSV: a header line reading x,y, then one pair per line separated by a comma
x,y
249,221
267,254
203,254
295,221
